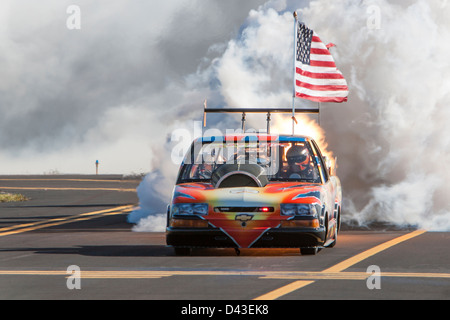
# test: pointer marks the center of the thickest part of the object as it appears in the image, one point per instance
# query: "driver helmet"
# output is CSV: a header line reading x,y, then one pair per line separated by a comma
x,y
298,155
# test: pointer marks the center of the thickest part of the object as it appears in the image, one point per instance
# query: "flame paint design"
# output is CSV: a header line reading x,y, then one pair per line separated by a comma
x,y
246,227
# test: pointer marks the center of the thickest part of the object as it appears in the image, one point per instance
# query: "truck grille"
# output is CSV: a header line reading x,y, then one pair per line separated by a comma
x,y
244,209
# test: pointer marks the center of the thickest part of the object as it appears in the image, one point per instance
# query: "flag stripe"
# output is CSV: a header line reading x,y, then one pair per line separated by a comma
x,y
321,82
321,99
316,75
320,51
321,57
321,87
323,93
317,69
326,64
318,45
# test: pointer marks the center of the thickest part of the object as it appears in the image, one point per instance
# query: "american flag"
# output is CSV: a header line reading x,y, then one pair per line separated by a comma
x,y
316,76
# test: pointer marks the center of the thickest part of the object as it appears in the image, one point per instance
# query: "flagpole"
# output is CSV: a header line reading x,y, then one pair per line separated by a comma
x,y
294,81
318,107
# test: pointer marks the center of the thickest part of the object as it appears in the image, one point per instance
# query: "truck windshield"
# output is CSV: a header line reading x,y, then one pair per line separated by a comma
x,y
281,161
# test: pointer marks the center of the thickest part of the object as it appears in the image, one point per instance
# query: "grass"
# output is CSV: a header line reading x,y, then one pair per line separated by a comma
x,y
10,197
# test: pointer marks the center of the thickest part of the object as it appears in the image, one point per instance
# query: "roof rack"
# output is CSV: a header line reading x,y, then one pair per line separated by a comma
x,y
267,111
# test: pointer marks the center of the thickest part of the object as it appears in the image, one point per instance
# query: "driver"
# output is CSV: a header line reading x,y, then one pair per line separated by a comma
x,y
300,165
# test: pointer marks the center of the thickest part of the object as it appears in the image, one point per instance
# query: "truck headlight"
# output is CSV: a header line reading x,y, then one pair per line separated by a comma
x,y
190,209
300,209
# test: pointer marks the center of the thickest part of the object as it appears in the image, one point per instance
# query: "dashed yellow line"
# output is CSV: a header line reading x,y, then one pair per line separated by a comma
x,y
78,180
64,220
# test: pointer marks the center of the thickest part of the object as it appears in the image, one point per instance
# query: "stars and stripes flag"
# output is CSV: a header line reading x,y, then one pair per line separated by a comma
x,y
316,76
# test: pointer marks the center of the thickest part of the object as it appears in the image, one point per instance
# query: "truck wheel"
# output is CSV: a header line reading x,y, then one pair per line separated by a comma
x,y
180,251
309,251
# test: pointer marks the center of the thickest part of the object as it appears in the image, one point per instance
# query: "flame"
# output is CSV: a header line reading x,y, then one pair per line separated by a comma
x,y
305,127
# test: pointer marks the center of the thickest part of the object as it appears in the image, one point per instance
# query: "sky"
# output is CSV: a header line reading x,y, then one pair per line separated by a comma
x,y
135,72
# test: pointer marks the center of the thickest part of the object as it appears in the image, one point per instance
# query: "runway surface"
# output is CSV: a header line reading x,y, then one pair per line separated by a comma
x,y
79,222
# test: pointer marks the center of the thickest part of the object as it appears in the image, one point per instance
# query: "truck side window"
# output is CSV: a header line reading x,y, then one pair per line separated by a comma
x,y
322,165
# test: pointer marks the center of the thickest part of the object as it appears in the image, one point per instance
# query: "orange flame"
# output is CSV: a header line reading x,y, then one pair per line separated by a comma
x,y
305,127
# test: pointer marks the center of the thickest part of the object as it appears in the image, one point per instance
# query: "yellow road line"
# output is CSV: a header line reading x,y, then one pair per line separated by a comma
x,y
284,290
59,221
65,218
277,293
319,276
78,180
304,278
69,189
62,219
368,253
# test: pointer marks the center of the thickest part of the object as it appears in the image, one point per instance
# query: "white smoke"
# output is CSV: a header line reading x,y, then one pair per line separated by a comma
x,y
391,139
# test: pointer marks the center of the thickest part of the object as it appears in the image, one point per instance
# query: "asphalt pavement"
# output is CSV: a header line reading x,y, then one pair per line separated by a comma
x,y
80,222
